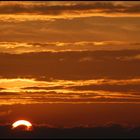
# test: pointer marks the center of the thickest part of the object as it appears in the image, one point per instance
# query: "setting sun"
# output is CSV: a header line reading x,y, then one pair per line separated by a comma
x,y
22,123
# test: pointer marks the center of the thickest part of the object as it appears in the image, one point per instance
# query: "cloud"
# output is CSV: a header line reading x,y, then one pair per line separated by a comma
x,y
88,29
47,77
19,47
69,9
130,58
57,65
31,91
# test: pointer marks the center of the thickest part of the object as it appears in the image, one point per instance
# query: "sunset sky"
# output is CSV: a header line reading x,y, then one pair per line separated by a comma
x,y
70,63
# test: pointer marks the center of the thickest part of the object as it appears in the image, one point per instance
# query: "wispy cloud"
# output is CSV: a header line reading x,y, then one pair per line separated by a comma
x,y
30,91
22,47
130,58
57,10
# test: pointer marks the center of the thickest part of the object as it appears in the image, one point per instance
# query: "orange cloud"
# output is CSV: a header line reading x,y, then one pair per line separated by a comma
x,y
31,91
25,47
54,10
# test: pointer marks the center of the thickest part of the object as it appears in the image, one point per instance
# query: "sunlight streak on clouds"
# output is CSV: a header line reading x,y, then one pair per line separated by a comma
x,y
24,91
24,47
24,11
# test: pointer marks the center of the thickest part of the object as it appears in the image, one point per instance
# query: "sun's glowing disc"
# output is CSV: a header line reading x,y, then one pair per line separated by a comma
x,y
22,123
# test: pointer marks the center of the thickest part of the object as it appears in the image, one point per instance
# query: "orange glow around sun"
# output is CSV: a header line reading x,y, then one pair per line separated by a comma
x,y
27,124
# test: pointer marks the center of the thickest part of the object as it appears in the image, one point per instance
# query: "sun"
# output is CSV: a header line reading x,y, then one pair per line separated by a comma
x,y
27,124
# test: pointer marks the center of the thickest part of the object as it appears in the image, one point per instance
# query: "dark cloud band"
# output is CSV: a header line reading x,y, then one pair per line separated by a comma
x,y
46,8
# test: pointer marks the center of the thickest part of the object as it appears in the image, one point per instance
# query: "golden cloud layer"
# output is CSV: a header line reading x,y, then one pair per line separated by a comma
x,y
53,10
24,91
23,47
